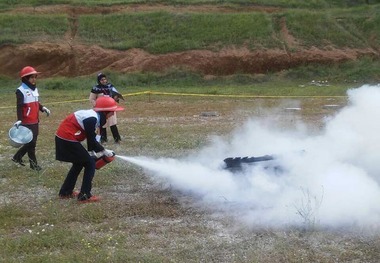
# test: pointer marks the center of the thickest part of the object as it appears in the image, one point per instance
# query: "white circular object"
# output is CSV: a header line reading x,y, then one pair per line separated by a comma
x,y
19,136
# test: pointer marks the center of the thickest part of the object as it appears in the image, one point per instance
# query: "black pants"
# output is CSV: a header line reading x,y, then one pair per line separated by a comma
x,y
72,177
30,147
115,134
75,153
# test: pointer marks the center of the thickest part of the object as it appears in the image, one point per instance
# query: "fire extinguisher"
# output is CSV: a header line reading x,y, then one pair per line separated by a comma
x,y
103,160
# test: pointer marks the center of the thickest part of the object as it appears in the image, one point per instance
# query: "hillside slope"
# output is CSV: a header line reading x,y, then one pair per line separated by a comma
x,y
71,57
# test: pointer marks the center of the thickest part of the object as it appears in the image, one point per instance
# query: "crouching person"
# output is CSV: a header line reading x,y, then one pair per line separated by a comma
x,y
74,129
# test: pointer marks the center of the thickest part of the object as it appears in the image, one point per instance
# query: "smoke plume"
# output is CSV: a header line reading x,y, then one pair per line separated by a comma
x,y
331,178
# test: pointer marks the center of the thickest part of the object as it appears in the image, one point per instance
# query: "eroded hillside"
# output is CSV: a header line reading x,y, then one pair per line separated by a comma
x,y
70,57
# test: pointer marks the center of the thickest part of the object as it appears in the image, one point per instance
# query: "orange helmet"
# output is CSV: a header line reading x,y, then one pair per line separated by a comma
x,y
28,70
106,104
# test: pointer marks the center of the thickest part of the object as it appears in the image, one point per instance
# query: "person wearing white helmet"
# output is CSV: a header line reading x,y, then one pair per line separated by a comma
x,y
75,128
28,108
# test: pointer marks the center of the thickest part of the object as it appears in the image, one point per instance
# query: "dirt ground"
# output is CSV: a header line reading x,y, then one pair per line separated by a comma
x,y
72,58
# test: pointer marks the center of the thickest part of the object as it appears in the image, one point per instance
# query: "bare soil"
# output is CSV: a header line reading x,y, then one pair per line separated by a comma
x,y
69,57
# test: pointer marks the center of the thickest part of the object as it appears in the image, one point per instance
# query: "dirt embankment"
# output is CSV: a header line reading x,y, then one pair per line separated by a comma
x,y
71,58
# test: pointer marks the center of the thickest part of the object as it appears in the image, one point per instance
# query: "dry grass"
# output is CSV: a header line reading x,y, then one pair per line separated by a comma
x,y
142,219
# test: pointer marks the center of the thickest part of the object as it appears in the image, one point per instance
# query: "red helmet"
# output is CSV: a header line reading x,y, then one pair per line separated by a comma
x,y
28,70
105,103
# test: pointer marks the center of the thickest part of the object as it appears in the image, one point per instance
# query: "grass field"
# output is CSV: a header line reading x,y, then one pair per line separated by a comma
x,y
143,218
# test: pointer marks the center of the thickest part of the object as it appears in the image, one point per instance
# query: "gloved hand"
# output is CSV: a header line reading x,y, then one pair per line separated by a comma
x,y
92,153
46,110
108,153
17,123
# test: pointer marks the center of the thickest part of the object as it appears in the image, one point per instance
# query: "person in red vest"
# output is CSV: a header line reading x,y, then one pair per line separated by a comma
x,y
75,128
28,108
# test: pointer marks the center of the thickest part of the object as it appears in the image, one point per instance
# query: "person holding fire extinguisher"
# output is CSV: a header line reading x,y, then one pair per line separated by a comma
x,y
28,108
75,128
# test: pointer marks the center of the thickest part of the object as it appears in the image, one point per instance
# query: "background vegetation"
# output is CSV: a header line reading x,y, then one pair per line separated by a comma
x,y
162,32
278,3
322,24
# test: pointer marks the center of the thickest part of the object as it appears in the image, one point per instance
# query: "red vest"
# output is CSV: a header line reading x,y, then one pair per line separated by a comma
x,y
72,128
31,106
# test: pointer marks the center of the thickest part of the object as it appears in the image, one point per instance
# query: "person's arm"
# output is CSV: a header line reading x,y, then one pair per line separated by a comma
x,y
115,94
90,129
19,104
93,98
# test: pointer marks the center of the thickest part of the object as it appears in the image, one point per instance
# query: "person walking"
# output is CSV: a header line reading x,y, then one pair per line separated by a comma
x,y
74,129
28,108
104,88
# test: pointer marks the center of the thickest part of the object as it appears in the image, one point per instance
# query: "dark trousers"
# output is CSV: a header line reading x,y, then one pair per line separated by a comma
x,y
72,177
75,153
30,147
115,133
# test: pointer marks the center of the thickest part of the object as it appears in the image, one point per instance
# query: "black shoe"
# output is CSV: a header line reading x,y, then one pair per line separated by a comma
x,y
103,140
36,167
117,140
20,162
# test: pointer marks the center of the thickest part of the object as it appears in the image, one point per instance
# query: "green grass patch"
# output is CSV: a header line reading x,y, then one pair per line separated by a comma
x,y
162,32
294,82
23,28
320,29
362,71
279,3
316,4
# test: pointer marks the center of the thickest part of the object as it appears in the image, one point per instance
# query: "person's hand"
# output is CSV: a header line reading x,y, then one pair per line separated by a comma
x,y
108,153
17,123
46,110
92,153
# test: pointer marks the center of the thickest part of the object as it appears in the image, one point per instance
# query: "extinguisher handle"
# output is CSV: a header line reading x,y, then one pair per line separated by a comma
x,y
108,153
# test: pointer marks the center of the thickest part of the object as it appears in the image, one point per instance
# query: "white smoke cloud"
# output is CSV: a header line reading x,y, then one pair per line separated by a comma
x,y
331,178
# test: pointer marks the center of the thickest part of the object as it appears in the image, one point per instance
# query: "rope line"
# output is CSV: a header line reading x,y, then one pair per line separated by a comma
x,y
193,95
